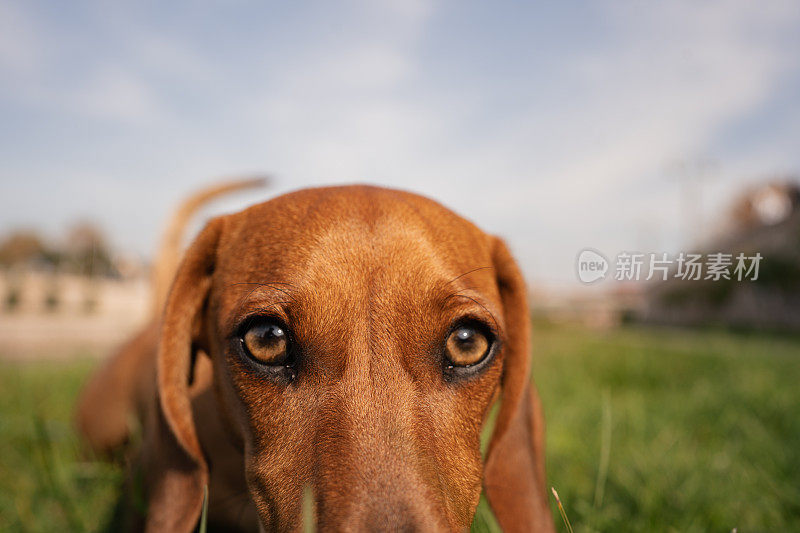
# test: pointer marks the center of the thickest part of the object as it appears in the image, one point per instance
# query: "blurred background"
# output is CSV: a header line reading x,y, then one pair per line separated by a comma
x,y
618,126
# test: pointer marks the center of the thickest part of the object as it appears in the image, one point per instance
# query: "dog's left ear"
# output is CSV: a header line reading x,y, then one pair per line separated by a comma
x,y
514,477
177,470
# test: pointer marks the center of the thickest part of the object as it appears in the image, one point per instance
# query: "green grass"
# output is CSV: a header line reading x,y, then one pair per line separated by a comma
x,y
46,484
647,430
702,429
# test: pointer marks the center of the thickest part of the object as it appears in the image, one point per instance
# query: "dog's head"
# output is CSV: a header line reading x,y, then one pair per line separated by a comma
x,y
358,338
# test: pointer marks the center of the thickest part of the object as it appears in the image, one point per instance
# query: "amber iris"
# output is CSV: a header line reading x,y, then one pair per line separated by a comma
x,y
467,346
267,343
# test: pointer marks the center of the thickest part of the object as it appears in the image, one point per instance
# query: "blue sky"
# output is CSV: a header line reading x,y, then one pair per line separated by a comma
x,y
557,125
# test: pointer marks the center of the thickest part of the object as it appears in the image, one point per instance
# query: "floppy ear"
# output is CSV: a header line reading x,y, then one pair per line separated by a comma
x,y
514,478
177,470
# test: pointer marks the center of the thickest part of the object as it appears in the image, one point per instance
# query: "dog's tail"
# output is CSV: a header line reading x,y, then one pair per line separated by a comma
x,y
171,249
121,389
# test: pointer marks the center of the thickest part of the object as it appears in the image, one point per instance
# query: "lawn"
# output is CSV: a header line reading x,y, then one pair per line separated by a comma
x,y
648,430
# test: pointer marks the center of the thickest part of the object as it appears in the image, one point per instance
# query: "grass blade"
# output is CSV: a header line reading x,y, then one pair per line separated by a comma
x,y
561,510
204,515
605,451
309,525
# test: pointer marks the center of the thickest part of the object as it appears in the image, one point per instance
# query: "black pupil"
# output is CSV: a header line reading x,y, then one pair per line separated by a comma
x,y
269,334
465,336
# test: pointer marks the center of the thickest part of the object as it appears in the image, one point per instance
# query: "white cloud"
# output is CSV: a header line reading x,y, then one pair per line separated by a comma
x,y
42,70
115,94
587,168
20,49
411,9
169,56
367,67
593,166
583,167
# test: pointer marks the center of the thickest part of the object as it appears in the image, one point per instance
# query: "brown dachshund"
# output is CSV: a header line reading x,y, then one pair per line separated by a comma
x,y
344,346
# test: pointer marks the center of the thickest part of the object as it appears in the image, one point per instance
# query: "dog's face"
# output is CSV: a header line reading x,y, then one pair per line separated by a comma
x,y
358,338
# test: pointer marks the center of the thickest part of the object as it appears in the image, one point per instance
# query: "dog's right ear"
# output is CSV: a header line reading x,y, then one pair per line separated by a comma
x,y
514,477
177,470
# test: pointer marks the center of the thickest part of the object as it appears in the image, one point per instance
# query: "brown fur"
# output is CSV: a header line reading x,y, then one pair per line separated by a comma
x,y
369,281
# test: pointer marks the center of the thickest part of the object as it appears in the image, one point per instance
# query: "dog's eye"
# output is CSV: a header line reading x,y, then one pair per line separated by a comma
x,y
467,346
266,342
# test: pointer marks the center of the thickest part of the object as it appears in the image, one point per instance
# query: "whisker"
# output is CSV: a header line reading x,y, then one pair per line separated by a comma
x,y
496,325
243,300
259,285
456,293
270,284
467,273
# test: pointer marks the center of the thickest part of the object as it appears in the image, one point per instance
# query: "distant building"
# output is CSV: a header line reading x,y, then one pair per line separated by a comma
x,y
69,298
766,220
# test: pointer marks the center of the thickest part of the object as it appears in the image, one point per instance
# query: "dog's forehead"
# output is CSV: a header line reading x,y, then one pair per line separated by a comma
x,y
359,234
352,224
